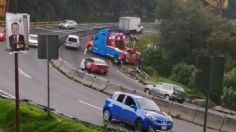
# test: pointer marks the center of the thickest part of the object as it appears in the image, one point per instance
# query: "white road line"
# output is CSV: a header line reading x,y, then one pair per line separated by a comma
x,y
13,97
24,74
90,105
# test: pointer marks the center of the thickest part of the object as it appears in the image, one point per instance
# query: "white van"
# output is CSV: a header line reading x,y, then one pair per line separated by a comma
x,y
33,40
72,41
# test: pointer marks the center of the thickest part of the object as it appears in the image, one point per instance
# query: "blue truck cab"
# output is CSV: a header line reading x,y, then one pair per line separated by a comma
x,y
101,44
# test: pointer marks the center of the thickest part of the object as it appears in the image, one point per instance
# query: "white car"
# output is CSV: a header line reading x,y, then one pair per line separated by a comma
x,y
33,40
72,41
68,24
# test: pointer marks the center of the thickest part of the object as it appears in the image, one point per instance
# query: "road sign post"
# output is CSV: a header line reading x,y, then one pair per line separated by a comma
x,y
209,77
48,46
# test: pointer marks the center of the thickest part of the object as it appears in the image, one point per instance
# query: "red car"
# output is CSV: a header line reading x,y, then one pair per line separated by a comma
x,y
94,65
2,34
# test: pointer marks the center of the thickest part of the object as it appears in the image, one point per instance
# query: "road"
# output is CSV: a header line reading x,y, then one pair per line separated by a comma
x,y
67,97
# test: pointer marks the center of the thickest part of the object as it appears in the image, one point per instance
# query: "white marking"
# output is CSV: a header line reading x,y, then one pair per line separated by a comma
x,y
13,97
24,74
90,105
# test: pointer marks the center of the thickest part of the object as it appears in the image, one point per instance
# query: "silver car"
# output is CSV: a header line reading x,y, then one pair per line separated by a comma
x,y
168,91
68,24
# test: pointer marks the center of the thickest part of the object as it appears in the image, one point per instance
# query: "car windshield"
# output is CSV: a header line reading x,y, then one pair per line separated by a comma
x,y
65,21
101,62
72,40
33,38
147,104
178,88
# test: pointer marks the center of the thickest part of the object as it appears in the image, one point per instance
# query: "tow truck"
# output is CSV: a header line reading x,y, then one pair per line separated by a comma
x,y
111,43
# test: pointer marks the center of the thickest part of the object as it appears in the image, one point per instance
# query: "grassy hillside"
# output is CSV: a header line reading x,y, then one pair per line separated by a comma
x,y
33,119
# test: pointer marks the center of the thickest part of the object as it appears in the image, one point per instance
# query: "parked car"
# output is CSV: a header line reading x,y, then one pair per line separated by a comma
x,y
68,24
33,40
94,65
141,113
72,41
168,91
2,34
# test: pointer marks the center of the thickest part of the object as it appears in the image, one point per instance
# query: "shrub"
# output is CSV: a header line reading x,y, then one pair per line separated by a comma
x,y
154,58
149,70
228,97
183,73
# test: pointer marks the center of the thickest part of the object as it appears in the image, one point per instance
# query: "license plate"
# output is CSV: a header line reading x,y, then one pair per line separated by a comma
x,y
163,127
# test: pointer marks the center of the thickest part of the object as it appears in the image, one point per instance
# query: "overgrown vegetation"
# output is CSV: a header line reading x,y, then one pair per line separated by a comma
x,y
33,119
87,10
186,31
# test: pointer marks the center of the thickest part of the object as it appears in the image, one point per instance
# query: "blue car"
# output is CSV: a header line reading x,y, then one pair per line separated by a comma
x,y
141,113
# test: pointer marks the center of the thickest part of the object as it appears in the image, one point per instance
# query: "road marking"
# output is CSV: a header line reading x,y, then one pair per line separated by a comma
x,y
24,74
13,97
90,105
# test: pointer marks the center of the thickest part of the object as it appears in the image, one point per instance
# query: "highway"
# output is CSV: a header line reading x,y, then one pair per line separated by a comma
x,y
67,97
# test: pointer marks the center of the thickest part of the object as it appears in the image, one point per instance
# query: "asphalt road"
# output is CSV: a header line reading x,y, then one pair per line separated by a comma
x,y
67,96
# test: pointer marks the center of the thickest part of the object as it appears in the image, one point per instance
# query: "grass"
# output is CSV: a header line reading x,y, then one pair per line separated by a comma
x,y
33,119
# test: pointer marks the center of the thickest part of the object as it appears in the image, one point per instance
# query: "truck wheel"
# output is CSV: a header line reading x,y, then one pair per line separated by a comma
x,y
116,60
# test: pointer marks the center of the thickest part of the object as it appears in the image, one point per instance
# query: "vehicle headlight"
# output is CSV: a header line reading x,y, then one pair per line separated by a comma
x,y
150,116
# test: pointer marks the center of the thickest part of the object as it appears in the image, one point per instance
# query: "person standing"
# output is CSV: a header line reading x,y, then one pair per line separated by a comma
x,y
16,40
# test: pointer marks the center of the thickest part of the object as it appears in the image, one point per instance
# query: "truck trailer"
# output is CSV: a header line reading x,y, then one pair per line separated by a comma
x,y
110,42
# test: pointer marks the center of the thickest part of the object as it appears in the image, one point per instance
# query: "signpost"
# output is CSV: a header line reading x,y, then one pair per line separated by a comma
x,y
48,46
209,77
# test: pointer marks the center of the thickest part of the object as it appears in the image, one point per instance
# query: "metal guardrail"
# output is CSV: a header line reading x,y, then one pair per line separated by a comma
x,y
35,24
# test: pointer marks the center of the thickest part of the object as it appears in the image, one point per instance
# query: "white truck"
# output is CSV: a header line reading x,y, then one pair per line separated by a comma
x,y
130,25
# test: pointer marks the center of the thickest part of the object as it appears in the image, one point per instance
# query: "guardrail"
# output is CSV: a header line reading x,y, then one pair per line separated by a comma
x,y
35,24
215,120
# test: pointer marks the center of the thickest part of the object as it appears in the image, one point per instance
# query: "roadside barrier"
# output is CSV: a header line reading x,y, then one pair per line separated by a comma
x,y
88,79
163,104
229,124
183,112
141,93
127,89
214,119
99,84
78,76
111,88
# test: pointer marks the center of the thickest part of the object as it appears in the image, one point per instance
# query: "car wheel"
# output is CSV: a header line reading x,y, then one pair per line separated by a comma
x,y
147,91
167,97
139,126
180,101
106,115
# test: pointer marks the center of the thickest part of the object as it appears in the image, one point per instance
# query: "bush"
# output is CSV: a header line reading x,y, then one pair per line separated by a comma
x,y
183,73
228,97
230,79
149,70
155,59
